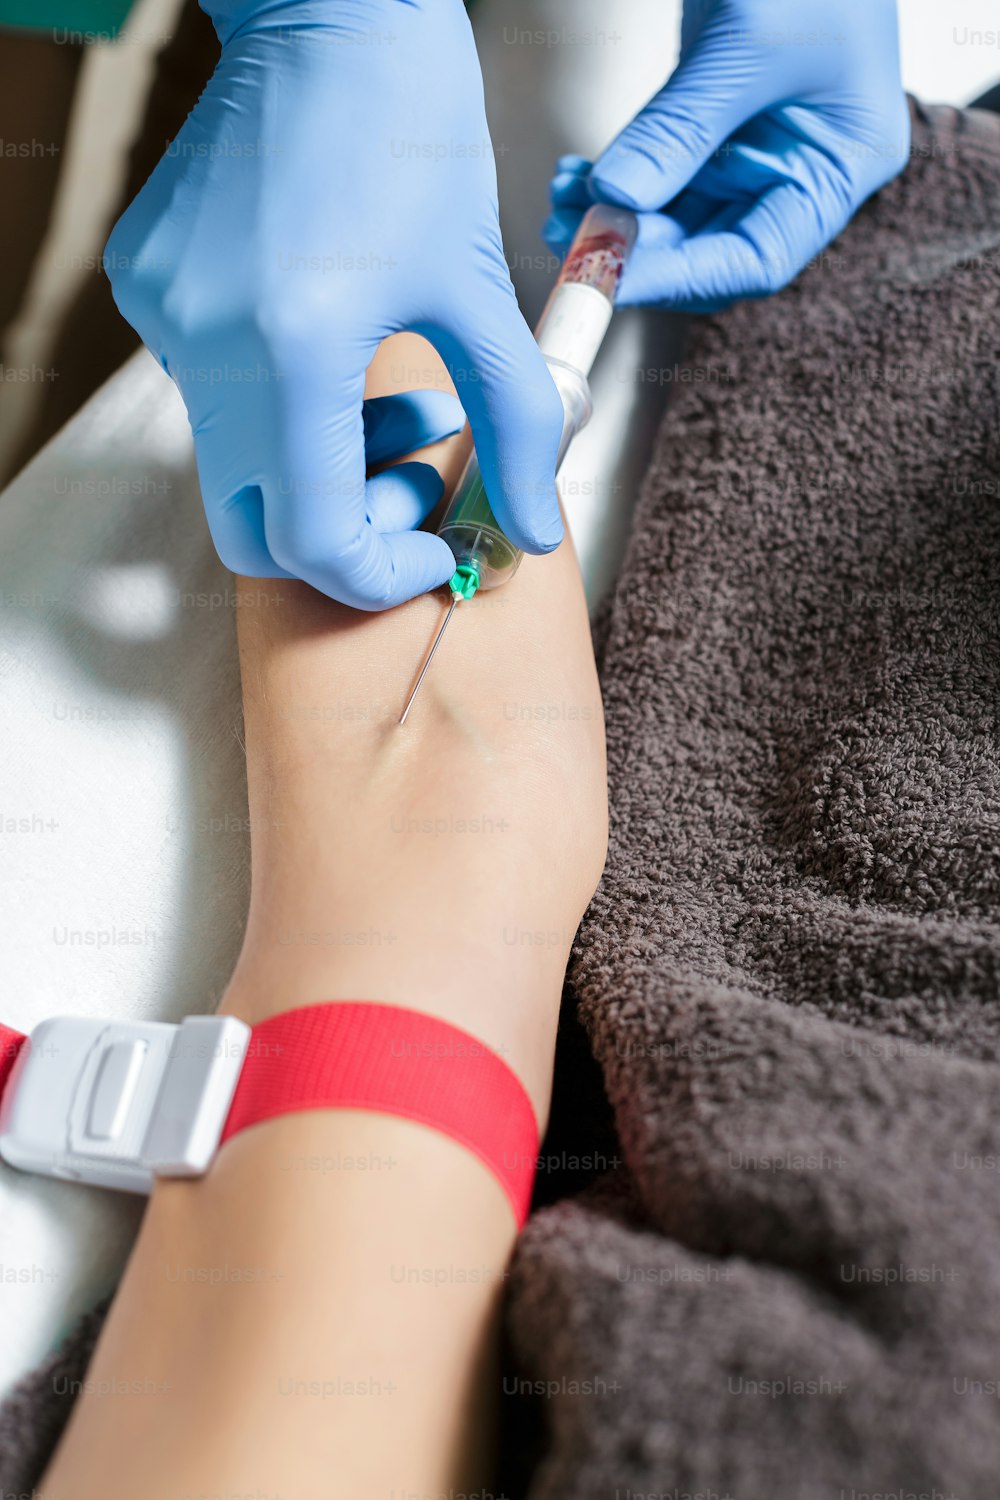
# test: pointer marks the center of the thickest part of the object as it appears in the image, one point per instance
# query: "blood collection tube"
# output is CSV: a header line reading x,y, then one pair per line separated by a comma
x,y
569,334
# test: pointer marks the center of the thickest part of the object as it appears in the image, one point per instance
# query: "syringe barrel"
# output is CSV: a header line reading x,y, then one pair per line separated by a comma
x,y
482,552
569,335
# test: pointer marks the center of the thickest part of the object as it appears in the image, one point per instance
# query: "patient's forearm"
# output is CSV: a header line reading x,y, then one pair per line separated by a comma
x,y
444,867
441,865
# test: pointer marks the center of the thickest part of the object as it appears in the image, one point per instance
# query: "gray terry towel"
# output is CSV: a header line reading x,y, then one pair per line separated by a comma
x,y
789,975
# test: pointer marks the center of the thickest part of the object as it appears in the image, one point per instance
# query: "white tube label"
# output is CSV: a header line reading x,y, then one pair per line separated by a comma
x,y
573,325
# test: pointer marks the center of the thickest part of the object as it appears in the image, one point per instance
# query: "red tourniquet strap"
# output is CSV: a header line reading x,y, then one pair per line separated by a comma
x,y
360,1055
355,1054
11,1042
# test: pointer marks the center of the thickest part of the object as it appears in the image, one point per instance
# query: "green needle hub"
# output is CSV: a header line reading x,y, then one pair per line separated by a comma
x,y
465,580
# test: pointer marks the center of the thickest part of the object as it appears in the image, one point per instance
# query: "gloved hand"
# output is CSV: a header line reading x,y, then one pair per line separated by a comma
x,y
778,122
335,183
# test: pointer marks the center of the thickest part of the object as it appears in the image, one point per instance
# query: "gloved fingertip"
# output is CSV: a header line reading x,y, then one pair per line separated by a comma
x,y
426,478
573,163
400,498
398,566
556,230
617,179
543,531
570,192
408,420
421,562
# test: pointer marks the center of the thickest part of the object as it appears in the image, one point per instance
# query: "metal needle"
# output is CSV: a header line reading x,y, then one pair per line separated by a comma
x,y
430,657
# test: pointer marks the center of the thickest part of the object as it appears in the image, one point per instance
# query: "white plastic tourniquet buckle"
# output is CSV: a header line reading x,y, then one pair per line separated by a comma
x,y
119,1103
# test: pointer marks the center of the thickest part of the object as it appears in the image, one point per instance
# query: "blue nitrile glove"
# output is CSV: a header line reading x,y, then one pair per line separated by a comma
x,y
334,184
780,119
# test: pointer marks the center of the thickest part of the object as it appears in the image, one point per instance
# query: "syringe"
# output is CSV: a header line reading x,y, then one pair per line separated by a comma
x,y
569,334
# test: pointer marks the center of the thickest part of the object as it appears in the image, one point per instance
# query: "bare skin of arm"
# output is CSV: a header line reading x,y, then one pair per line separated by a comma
x,y
317,1316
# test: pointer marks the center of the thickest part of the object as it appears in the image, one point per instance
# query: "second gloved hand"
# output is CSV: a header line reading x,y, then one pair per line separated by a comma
x,y
779,121
334,184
